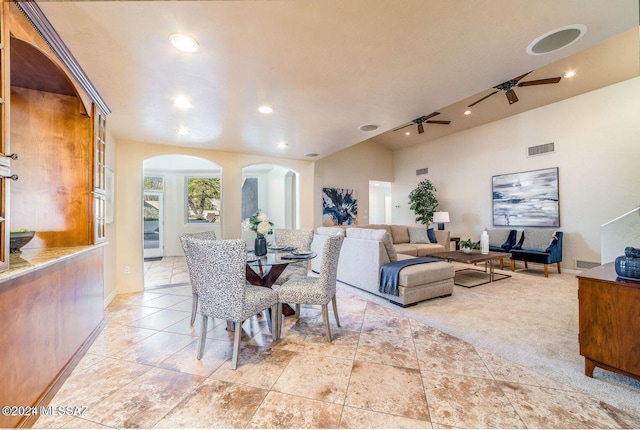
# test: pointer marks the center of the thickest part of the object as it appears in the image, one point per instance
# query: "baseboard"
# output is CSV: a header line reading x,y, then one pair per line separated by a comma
x,y
110,297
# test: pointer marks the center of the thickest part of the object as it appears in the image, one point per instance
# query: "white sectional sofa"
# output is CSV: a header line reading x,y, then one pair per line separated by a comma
x,y
364,251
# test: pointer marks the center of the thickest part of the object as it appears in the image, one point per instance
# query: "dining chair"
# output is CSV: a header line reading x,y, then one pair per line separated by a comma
x,y
300,239
194,292
314,290
217,267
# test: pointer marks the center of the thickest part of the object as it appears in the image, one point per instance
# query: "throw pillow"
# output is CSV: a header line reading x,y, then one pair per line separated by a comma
x,y
331,231
418,235
537,240
432,235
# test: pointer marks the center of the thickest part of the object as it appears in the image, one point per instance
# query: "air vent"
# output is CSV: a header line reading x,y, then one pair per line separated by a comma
x,y
581,264
547,148
422,171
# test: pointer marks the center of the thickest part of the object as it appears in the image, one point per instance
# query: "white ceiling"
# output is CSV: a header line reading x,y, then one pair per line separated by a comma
x,y
327,66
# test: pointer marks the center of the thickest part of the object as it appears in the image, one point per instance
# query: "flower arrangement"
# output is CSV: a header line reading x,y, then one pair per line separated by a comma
x,y
258,222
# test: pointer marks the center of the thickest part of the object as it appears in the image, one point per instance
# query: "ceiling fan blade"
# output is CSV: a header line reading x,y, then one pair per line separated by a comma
x,y
485,97
438,122
431,115
404,126
511,96
520,77
541,81
420,128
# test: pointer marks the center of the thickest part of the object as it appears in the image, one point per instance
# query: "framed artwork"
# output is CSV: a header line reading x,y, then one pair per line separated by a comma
x,y
339,207
527,199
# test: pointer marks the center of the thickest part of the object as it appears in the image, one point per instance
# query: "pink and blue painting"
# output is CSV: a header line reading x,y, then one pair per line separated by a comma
x,y
339,207
527,199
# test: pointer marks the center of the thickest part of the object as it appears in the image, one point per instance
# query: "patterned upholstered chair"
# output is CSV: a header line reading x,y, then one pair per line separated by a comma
x,y
194,293
217,267
315,290
301,240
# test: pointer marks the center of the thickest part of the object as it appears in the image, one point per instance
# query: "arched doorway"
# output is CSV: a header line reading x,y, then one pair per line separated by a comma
x,y
181,194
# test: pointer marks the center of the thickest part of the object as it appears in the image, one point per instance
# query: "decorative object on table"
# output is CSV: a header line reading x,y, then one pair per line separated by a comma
x,y
628,265
18,239
339,207
423,202
528,199
260,224
440,218
484,242
468,246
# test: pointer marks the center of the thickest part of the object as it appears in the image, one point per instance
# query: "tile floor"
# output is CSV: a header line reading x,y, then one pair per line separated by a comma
x,y
382,370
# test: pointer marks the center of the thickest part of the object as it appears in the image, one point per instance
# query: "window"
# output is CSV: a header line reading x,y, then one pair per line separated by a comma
x,y
153,183
203,200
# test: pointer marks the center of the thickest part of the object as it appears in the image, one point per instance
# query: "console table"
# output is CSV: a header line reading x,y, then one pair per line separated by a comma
x,y
609,321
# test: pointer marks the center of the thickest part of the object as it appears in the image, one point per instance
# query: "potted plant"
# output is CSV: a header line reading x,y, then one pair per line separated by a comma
x,y
468,246
423,202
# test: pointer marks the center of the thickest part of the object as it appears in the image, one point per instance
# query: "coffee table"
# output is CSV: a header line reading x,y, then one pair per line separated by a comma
x,y
474,258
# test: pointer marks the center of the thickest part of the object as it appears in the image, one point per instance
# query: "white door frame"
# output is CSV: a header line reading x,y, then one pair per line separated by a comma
x,y
159,250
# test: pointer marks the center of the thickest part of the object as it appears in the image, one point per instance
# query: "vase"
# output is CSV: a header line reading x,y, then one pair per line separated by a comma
x,y
260,246
466,250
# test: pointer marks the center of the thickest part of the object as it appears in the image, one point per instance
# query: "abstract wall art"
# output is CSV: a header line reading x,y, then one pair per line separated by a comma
x,y
527,199
339,207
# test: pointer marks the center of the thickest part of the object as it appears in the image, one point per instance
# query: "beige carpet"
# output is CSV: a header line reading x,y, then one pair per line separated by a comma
x,y
530,320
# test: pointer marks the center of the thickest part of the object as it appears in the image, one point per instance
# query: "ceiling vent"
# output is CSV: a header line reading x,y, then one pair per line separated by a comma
x,y
422,171
547,148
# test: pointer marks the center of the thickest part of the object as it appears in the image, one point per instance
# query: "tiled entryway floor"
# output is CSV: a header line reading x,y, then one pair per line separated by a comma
x,y
382,370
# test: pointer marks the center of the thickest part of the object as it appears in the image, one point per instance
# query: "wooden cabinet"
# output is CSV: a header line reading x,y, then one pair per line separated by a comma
x,y
5,168
609,320
99,174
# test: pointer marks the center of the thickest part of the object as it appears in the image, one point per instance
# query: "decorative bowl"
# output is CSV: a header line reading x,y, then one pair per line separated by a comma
x,y
18,239
467,250
628,268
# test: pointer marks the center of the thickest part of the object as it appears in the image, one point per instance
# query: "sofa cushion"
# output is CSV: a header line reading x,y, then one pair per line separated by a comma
x,y
537,240
331,231
399,233
375,234
424,249
418,235
384,227
421,274
406,249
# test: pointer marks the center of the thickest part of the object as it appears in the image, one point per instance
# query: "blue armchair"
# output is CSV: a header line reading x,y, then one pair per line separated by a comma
x,y
538,246
502,241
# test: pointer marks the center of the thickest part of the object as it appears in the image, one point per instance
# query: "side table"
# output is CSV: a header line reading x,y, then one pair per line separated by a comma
x,y
457,241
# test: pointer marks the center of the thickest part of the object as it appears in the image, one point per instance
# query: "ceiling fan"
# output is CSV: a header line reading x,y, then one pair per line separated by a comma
x,y
425,119
508,86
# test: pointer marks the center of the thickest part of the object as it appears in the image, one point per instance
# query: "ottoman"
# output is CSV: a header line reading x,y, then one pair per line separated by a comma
x,y
422,282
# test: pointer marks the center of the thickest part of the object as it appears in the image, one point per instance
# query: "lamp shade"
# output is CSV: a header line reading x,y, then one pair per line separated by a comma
x,y
440,217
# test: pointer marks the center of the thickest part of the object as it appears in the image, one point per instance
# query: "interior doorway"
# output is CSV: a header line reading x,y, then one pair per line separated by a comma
x,y
379,202
153,225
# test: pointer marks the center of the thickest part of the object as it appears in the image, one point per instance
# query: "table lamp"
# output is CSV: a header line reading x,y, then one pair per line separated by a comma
x,y
440,218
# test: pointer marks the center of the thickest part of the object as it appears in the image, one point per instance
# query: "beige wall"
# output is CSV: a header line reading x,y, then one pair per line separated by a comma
x,y
130,157
597,153
352,168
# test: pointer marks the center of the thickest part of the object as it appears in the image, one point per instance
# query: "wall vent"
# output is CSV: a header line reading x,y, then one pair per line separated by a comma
x,y
582,264
422,171
546,148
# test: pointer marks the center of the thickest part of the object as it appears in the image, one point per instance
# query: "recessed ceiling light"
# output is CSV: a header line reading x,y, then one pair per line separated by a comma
x,y
283,145
569,74
182,131
368,127
310,154
182,103
556,39
184,43
265,109
407,133
467,112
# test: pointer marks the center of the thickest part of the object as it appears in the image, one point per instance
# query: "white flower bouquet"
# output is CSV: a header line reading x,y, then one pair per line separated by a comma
x,y
258,222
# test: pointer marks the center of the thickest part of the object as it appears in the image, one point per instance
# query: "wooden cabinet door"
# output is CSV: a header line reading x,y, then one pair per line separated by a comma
x,y
99,174
5,167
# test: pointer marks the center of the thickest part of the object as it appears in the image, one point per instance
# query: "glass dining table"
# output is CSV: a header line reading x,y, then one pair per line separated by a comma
x,y
264,270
